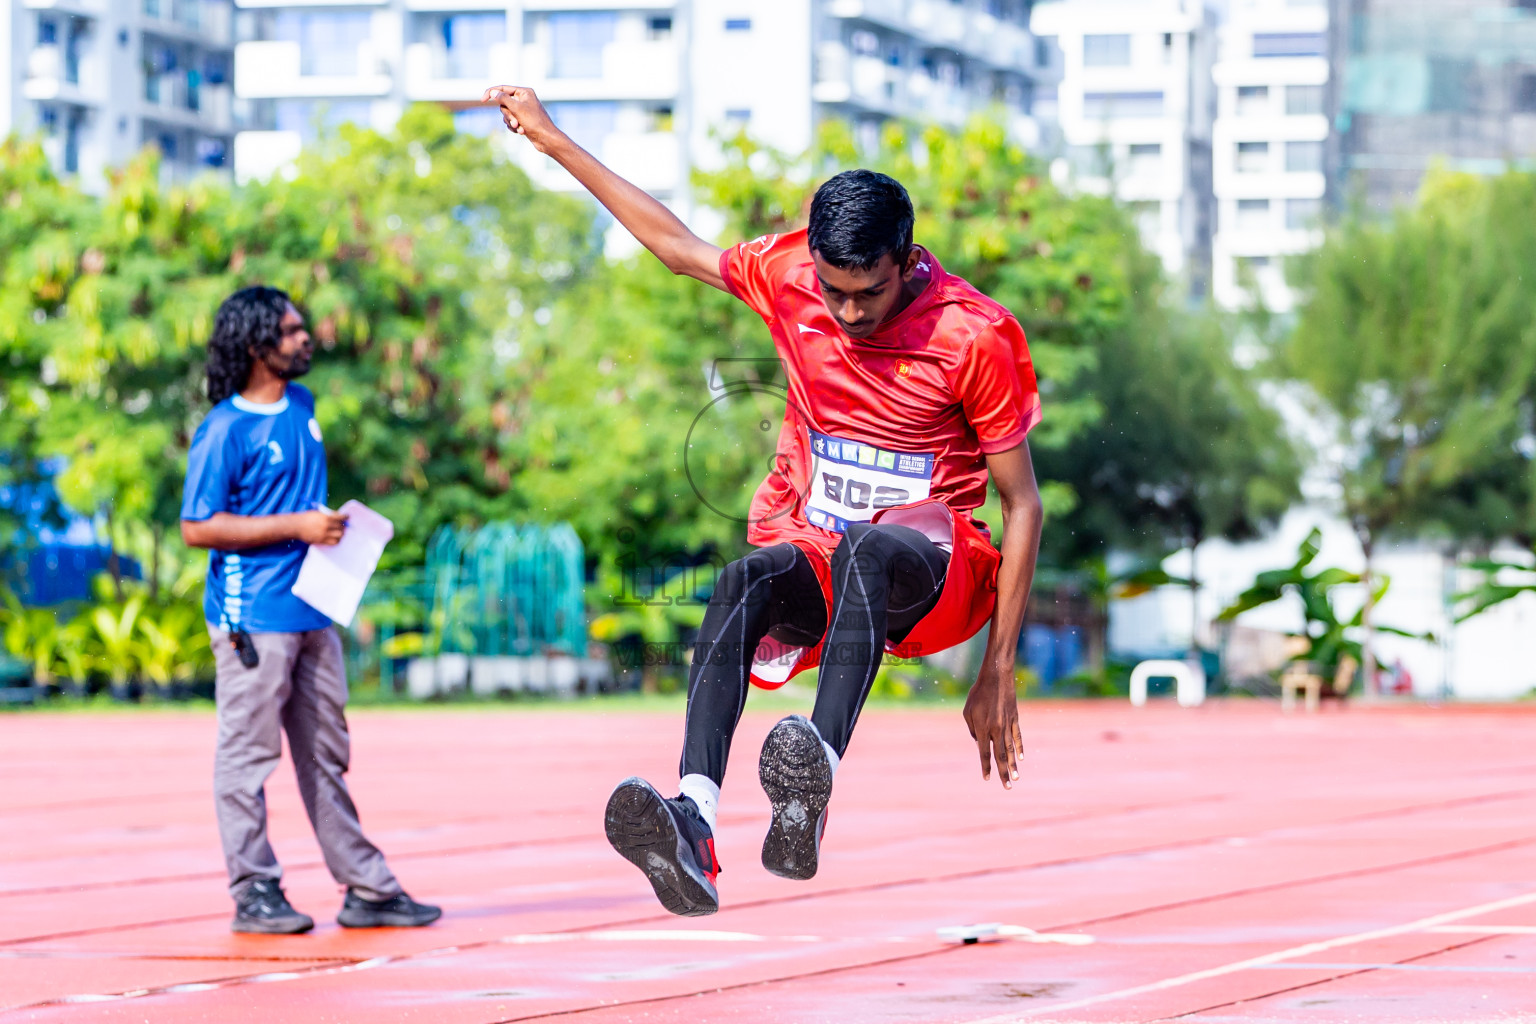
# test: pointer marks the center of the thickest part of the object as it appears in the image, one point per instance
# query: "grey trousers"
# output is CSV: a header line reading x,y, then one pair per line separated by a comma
x,y
300,686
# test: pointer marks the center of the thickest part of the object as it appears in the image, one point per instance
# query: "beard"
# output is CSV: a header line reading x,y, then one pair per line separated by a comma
x,y
290,367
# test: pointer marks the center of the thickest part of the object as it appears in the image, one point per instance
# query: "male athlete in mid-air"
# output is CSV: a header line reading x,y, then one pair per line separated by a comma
x,y
907,389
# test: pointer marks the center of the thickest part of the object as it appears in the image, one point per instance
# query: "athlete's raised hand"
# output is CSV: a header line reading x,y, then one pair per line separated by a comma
x,y
656,227
522,113
992,715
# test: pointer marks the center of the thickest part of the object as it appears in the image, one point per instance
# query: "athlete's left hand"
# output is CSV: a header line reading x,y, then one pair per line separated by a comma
x,y
992,714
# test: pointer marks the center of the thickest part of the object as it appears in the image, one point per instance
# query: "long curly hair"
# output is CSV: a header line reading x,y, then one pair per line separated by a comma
x,y
249,320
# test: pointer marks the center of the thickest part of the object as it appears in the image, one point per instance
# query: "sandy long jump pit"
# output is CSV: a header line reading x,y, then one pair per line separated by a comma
x,y
1228,863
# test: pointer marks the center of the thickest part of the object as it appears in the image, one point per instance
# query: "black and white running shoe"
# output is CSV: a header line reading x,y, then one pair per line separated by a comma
x,y
399,911
669,842
797,777
263,910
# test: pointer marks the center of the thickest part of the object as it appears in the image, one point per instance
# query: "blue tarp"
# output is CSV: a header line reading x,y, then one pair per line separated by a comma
x,y
55,554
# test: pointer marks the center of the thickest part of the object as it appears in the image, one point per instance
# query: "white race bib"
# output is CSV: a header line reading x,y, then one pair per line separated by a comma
x,y
851,481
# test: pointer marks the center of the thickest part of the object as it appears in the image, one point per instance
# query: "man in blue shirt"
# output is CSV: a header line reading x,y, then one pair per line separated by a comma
x,y
255,496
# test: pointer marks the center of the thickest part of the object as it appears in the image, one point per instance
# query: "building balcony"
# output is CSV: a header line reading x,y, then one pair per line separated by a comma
x,y
457,5
274,70
79,8
629,70
842,77
938,22
651,160
435,73
260,4
206,23
171,99
51,75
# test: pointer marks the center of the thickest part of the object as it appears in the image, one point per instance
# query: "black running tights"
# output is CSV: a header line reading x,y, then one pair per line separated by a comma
x,y
885,578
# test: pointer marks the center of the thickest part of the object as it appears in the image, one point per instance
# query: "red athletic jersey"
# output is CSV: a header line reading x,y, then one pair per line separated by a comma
x,y
906,414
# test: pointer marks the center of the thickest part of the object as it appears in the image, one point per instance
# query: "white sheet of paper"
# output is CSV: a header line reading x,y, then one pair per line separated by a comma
x,y
332,579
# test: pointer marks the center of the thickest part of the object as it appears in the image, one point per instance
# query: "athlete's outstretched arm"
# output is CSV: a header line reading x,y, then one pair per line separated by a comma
x,y
992,709
656,227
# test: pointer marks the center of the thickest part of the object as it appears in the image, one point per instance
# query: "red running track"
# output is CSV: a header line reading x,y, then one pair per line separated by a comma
x,y
1230,864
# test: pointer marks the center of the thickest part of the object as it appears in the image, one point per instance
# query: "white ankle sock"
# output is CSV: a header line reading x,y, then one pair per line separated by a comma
x,y
701,789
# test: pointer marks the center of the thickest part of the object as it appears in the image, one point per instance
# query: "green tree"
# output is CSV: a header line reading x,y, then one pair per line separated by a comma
x,y
420,256
1187,448
1415,346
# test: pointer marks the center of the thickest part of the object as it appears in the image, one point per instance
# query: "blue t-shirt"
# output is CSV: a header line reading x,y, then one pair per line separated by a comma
x,y
257,460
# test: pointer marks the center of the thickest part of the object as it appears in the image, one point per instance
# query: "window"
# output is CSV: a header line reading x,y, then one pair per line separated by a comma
x,y
465,40
1303,99
576,40
75,38
1090,161
1252,157
47,32
314,118
1146,158
1252,214
1045,100
738,24
1525,94
1043,47
1148,215
1301,214
659,27
1290,44
587,123
1304,156
1252,99
1108,105
865,44
328,40
1106,51
1250,266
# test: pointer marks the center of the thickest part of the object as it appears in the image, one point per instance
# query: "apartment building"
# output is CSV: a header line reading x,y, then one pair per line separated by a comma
x,y
648,86
1268,146
101,79
1135,108
1426,82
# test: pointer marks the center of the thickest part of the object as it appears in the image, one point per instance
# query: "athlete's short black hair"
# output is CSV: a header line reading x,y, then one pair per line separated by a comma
x,y
858,217
249,320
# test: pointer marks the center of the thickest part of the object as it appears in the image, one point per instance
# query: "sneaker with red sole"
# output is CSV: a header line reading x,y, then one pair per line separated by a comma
x,y
670,844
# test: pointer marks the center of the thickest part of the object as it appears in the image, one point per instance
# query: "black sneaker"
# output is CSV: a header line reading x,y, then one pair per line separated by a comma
x,y
797,777
263,910
669,841
399,911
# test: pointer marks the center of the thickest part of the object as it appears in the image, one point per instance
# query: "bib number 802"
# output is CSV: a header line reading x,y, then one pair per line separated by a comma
x,y
858,494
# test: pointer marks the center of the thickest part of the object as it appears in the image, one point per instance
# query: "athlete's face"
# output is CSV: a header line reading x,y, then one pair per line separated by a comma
x,y
291,358
861,300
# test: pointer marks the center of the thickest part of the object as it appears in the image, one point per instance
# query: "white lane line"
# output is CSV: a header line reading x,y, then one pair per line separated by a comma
x,y
1423,924
1444,968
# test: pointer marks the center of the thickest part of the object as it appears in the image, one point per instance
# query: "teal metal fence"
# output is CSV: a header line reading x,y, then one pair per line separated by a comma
x,y
499,589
